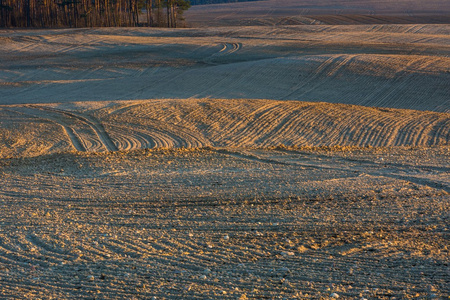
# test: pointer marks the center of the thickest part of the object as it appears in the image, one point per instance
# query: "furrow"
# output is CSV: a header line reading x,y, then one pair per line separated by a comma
x,y
441,132
94,124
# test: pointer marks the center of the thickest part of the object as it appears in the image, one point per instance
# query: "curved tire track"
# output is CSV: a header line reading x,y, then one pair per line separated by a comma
x,y
248,155
77,142
95,125
227,49
266,123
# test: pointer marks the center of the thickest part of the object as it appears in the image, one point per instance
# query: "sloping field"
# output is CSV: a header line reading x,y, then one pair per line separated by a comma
x,y
144,163
294,12
397,66
192,123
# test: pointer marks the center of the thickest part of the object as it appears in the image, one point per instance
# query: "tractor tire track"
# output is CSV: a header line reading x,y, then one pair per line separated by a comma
x,y
395,174
266,123
76,141
227,49
94,124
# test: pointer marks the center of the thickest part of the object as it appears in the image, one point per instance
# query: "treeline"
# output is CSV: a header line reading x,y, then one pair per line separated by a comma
x,y
203,2
91,13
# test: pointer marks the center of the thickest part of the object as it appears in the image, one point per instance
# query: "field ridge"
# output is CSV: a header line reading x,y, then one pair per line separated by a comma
x,y
193,123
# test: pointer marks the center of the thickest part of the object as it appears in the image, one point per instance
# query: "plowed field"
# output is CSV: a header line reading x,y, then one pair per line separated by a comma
x,y
262,162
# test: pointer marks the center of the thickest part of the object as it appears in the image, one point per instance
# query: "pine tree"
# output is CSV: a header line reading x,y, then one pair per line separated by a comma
x,y
90,13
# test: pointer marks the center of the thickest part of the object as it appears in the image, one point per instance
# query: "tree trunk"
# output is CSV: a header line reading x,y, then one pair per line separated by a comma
x,y
27,13
88,13
168,13
2,15
136,13
174,15
159,15
149,13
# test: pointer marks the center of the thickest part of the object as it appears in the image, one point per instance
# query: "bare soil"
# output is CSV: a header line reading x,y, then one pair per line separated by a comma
x,y
244,162
31,130
221,224
311,12
393,66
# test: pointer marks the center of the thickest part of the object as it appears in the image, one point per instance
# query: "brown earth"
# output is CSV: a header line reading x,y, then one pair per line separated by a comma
x,y
143,164
395,66
312,12
30,130
222,224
